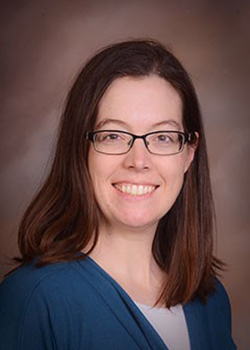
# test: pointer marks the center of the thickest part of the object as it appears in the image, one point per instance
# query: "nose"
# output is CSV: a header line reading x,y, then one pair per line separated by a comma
x,y
138,158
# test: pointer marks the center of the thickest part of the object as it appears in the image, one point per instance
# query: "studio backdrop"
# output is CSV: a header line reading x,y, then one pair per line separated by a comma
x,y
44,44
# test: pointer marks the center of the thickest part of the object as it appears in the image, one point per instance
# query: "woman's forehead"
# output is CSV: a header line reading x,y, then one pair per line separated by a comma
x,y
150,99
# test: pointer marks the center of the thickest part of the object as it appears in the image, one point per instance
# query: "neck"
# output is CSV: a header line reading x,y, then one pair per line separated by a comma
x,y
126,246
127,256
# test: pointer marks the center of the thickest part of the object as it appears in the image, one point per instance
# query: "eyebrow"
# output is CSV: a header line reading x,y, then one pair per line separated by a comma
x,y
109,121
124,124
168,122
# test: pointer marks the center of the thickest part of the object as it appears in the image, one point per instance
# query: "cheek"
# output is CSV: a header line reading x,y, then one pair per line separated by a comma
x,y
94,169
96,164
173,169
173,178
100,170
174,182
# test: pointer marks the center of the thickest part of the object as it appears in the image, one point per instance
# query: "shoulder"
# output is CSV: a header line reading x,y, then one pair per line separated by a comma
x,y
219,303
211,319
41,302
50,279
27,278
217,306
27,282
216,312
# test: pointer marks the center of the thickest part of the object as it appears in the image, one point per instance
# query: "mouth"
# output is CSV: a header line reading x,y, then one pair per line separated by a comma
x,y
135,189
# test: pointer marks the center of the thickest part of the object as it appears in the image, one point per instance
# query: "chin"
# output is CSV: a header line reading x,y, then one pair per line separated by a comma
x,y
138,223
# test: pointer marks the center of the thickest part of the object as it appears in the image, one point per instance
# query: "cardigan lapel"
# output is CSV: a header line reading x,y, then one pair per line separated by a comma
x,y
122,306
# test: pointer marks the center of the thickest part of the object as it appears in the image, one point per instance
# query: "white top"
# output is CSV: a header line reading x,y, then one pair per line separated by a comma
x,y
170,324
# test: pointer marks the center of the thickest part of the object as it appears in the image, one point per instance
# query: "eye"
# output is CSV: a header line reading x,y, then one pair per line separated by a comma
x,y
109,137
163,138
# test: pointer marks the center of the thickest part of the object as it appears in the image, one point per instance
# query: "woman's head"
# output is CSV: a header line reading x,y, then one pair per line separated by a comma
x,y
64,217
136,182
135,59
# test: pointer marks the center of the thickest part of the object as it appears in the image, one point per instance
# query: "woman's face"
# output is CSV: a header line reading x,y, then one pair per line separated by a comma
x,y
138,105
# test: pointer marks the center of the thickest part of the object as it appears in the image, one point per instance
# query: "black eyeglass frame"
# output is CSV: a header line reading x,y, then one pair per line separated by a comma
x,y
189,137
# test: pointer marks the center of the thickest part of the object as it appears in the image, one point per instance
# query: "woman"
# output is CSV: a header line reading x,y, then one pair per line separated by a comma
x,y
117,247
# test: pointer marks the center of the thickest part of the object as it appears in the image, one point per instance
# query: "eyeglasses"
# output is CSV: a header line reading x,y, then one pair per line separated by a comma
x,y
157,142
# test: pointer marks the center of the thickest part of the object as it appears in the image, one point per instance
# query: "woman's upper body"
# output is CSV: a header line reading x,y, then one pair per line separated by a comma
x,y
129,187
77,305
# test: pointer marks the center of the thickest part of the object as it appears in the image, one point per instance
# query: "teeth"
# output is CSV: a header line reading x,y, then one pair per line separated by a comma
x,y
135,190
140,189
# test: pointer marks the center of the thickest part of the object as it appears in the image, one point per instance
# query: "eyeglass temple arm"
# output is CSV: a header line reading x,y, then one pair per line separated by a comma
x,y
89,136
190,137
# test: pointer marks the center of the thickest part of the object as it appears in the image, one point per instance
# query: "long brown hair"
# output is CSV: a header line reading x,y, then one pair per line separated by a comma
x,y
63,217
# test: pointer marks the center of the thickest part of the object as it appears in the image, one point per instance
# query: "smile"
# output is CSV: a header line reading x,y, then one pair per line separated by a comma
x,y
135,190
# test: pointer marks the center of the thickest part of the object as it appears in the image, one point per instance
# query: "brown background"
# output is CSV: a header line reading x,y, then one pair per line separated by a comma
x,y
43,44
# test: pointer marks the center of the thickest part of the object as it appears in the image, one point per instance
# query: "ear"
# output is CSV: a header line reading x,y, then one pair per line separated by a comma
x,y
191,148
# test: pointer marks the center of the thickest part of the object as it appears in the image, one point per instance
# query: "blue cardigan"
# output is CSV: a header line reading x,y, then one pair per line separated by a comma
x,y
77,305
